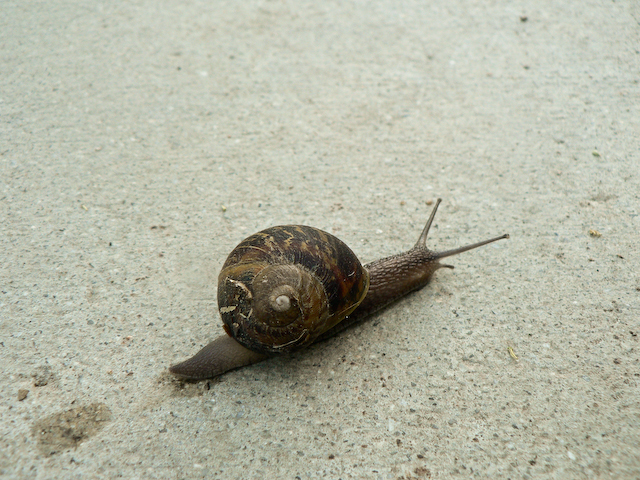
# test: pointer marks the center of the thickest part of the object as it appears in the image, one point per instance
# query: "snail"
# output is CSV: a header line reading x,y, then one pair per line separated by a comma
x,y
290,286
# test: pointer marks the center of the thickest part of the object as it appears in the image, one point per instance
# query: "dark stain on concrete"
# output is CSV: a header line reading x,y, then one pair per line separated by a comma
x,y
67,429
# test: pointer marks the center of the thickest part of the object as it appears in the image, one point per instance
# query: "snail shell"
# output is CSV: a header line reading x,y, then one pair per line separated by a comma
x,y
283,287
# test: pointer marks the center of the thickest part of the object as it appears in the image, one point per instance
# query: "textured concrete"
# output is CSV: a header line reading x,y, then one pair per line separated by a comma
x,y
141,141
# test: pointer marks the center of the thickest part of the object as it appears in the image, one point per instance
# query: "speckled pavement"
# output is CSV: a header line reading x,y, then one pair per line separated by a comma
x,y
141,141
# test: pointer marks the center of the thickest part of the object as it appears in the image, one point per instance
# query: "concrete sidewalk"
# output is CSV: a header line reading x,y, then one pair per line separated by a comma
x,y
141,141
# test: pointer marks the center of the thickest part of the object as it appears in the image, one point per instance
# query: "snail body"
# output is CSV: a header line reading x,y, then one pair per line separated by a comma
x,y
287,287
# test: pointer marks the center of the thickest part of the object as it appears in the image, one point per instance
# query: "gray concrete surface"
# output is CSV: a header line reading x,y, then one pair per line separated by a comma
x,y
140,141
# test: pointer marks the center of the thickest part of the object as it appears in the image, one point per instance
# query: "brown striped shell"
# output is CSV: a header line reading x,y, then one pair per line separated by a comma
x,y
284,286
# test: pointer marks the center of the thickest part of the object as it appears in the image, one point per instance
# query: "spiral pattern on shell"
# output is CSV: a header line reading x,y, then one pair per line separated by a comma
x,y
281,288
